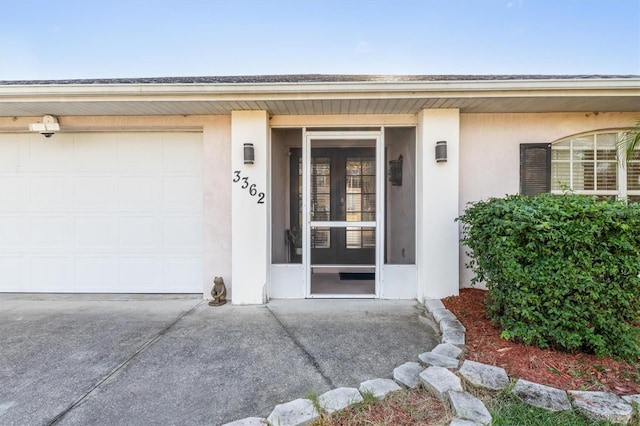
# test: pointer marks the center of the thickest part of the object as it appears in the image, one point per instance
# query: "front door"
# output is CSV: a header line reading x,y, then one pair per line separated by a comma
x,y
343,189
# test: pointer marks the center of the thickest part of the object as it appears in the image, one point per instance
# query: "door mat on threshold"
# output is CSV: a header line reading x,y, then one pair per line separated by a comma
x,y
357,276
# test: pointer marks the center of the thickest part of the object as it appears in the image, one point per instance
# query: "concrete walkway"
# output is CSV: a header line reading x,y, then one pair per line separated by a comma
x,y
76,360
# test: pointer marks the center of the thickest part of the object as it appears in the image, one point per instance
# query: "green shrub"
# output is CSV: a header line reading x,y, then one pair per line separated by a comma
x,y
562,270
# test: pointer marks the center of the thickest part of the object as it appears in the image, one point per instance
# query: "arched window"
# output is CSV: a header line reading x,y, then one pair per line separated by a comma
x,y
588,164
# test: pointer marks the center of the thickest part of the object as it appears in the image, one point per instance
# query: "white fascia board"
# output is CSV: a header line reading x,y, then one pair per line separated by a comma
x,y
334,90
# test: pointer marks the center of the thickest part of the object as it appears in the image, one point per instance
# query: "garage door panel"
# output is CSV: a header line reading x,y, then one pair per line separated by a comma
x,y
140,232
141,273
186,157
15,273
140,153
94,232
10,153
98,272
51,193
179,272
182,193
51,232
49,272
101,212
140,193
95,153
184,232
14,233
95,192
14,193
51,154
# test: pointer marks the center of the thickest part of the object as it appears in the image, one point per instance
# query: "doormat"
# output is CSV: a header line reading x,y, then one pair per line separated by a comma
x,y
365,276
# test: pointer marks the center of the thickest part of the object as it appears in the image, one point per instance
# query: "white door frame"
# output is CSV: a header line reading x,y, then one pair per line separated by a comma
x,y
378,224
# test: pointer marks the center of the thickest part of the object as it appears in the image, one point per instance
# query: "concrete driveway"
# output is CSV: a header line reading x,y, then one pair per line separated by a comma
x,y
131,360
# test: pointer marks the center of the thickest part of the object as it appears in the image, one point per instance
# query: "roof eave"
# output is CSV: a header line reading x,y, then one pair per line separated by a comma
x,y
497,88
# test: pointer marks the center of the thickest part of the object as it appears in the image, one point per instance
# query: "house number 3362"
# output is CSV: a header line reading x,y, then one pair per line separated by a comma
x,y
245,184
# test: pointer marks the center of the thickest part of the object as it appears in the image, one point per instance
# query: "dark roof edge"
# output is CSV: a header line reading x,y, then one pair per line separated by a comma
x,y
310,78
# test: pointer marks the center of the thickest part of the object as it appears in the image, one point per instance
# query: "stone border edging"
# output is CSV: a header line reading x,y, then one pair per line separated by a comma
x,y
446,385
595,405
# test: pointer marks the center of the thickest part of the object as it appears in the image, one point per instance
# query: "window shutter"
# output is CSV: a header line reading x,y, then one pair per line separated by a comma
x,y
535,168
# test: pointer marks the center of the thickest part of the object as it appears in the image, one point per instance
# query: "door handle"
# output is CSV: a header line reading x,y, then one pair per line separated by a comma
x,y
341,201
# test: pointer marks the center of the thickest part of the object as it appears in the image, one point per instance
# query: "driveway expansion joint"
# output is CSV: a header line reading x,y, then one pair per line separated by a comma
x,y
306,353
122,365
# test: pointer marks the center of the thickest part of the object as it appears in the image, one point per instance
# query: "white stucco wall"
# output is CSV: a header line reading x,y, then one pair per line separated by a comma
x,y
250,250
216,258
437,200
490,150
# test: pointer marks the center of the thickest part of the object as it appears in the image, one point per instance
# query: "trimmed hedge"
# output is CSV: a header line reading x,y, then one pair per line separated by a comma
x,y
561,270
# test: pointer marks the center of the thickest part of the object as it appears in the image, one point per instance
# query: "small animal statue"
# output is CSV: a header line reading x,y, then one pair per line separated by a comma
x,y
218,292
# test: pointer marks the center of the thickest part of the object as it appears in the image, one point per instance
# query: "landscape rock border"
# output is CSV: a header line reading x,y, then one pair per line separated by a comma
x,y
445,367
595,405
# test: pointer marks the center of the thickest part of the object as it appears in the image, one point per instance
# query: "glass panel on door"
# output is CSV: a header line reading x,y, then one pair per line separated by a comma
x,y
343,189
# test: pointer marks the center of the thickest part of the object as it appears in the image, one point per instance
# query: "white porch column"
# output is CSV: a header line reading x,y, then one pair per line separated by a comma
x,y
437,233
250,251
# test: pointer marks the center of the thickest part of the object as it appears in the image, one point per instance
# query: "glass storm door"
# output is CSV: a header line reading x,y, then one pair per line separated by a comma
x,y
340,213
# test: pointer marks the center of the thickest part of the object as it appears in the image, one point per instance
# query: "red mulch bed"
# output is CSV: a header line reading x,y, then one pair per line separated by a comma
x,y
568,371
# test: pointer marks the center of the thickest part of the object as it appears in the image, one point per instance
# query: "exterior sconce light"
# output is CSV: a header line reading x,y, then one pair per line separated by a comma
x,y
48,126
249,155
441,152
395,171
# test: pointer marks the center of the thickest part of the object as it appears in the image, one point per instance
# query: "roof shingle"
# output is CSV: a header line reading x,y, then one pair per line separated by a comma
x,y
307,78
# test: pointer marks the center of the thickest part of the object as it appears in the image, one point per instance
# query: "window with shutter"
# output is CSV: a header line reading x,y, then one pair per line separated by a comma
x,y
535,168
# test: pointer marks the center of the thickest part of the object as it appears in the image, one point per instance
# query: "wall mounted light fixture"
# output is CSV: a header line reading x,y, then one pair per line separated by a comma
x,y
395,171
441,152
48,126
249,154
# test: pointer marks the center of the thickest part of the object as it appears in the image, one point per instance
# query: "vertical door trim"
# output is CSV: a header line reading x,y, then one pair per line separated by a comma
x,y
381,214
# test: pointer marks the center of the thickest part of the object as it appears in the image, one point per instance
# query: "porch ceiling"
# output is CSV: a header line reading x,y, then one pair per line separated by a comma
x,y
329,96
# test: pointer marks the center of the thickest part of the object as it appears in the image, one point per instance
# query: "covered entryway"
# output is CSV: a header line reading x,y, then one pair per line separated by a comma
x,y
101,212
343,225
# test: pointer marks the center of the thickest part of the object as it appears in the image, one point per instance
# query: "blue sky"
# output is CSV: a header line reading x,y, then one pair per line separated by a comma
x,y
58,39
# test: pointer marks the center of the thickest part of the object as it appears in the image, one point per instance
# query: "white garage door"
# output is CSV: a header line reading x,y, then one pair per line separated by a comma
x,y
101,212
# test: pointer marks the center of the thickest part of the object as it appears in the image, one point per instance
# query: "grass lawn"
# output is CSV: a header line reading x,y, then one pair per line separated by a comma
x,y
419,408
506,410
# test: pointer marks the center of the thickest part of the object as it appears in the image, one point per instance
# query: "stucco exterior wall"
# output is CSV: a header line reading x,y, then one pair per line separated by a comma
x,y
437,201
216,256
490,150
250,252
